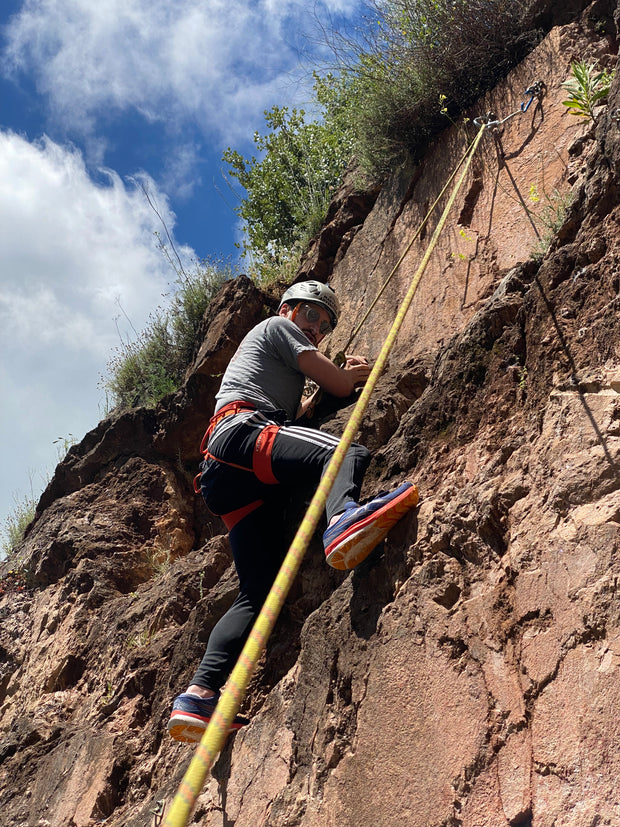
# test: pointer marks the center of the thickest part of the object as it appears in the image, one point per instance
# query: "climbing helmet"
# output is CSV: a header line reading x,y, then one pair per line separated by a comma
x,y
315,292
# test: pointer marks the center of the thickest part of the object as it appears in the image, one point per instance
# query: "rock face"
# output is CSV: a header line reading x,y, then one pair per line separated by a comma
x,y
468,673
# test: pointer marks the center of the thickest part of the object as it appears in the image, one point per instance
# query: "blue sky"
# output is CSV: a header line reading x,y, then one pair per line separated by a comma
x,y
95,98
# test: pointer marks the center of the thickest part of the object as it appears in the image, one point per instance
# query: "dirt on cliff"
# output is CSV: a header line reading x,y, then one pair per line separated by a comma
x,y
467,673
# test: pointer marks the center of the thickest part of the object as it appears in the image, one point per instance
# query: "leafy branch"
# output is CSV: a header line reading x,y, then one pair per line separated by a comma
x,y
587,89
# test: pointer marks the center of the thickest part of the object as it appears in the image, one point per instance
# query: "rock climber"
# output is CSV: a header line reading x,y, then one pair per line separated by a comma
x,y
258,450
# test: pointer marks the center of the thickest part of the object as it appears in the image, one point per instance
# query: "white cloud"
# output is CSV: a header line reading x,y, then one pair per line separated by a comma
x,y
74,250
180,176
71,249
219,62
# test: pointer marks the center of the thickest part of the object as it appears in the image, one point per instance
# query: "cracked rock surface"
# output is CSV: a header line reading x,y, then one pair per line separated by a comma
x,y
467,674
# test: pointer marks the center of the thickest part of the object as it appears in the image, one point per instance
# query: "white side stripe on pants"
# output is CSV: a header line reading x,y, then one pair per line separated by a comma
x,y
310,435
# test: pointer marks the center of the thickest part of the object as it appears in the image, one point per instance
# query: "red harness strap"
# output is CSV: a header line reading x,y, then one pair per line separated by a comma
x,y
233,517
261,459
227,410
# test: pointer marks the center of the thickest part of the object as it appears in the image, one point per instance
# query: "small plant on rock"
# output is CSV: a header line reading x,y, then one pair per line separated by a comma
x,y
588,88
159,559
552,215
15,526
139,639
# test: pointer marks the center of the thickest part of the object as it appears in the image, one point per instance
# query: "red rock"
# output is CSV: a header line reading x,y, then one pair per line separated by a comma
x,y
467,673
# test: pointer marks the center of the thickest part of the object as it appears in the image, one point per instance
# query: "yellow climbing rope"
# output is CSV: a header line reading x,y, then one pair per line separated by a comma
x,y
341,356
216,733
536,90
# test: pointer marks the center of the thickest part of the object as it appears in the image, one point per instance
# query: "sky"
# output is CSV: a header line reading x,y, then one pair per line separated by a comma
x,y
100,101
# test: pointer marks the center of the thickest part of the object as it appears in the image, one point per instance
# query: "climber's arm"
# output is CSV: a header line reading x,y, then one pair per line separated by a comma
x,y
335,380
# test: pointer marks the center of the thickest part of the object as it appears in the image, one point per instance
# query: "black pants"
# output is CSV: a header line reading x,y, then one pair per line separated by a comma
x,y
260,540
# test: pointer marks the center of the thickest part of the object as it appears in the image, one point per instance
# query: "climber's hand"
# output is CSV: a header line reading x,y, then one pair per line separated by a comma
x,y
358,367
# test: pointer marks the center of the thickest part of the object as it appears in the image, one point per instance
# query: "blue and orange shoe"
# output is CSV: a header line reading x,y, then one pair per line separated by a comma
x,y
190,717
362,527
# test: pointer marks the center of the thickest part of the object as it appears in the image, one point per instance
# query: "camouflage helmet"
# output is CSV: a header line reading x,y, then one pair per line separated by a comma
x,y
315,292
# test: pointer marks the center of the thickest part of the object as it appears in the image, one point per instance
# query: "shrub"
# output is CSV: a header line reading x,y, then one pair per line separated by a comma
x,y
142,371
423,51
550,216
415,66
15,526
24,508
290,185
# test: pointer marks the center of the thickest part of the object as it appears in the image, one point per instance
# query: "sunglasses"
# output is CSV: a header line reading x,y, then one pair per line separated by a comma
x,y
313,316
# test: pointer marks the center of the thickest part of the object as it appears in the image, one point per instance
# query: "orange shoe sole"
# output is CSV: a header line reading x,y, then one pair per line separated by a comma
x,y
184,727
356,546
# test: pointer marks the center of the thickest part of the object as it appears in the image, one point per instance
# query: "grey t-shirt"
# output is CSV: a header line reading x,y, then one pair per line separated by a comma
x,y
264,369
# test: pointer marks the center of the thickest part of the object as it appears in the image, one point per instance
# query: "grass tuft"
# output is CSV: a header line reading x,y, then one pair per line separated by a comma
x,y
143,371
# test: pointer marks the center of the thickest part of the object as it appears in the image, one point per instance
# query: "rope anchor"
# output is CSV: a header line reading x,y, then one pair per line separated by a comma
x,y
537,90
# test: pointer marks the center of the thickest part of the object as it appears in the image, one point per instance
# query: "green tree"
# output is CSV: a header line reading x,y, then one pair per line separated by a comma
x,y
300,162
380,110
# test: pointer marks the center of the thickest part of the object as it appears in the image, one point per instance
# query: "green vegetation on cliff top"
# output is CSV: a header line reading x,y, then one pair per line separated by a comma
x,y
414,67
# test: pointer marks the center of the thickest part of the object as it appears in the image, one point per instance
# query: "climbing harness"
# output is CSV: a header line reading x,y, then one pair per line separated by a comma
x,y
233,517
230,700
227,410
261,458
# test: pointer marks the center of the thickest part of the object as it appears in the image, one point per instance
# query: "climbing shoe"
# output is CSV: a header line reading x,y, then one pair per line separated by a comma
x,y
362,527
191,715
